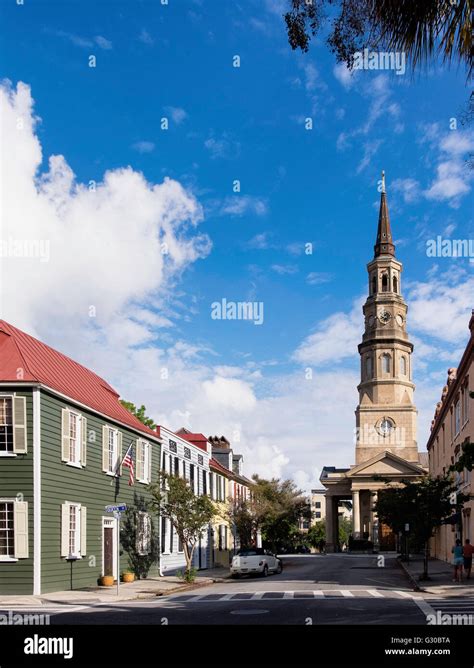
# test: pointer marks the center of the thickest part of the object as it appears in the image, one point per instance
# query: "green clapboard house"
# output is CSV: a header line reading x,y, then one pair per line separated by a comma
x,y
63,436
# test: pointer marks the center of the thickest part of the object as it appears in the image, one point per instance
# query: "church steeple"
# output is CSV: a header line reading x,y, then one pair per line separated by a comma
x,y
384,244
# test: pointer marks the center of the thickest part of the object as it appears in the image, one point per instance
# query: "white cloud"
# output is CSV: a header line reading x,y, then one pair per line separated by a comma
x,y
103,42
318,278
453,178
409,188
144,146
94,247
441,308
145,37
177,114
222,147
259,242
336,338
239,205
284,269
344,75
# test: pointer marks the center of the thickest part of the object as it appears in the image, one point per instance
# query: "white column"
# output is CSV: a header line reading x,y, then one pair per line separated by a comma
x,y
355,511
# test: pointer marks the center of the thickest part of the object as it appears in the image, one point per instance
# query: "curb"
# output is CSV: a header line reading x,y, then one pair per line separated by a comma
x,y
410,577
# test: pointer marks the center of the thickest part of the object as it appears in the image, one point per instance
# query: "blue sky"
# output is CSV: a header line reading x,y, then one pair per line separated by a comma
x,y
298,186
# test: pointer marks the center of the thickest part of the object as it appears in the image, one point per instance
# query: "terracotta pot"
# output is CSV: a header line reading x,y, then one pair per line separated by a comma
x,y
107,581
128,577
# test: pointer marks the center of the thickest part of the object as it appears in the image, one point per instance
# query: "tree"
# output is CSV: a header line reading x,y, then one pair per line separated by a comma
x,y
242,518
277,507
138,413
317,533
189,514
142,551
420,28
423,505
466,459
345,530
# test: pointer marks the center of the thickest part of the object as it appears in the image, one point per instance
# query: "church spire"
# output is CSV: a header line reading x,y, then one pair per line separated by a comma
x,y
384,244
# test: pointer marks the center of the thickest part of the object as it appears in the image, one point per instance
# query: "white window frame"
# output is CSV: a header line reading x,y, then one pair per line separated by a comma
x,y
78,446
112,469
10,453
8,557
143,455
80,530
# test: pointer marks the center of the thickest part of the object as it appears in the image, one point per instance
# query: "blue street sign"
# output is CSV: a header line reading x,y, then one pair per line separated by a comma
x,y
116,509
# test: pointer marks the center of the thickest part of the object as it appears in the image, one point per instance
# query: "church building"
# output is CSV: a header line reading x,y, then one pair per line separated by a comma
x,y
385,443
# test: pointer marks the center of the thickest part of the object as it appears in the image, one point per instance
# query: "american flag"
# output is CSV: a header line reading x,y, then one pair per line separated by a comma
x,y
128,462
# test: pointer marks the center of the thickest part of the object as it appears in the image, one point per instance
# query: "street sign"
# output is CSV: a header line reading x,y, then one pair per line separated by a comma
x,y
407,527
116,509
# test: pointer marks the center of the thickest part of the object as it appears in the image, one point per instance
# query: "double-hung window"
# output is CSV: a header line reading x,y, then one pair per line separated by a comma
x,y
12,425
13,530
73,530
73,437
111,450
143,461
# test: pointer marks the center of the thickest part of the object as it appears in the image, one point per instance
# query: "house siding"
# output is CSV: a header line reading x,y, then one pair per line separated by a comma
x,y
90,487
16,478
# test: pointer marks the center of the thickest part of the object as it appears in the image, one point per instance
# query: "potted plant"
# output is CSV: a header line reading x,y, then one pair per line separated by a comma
x,y
107,581
128,576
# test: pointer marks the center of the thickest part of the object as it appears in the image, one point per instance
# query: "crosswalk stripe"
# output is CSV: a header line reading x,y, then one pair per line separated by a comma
x,y
258,595
375,593
317,593
289,594
405,594
346,593
227,597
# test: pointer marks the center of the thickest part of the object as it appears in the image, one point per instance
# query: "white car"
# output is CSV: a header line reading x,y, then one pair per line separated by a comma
x,y
255,560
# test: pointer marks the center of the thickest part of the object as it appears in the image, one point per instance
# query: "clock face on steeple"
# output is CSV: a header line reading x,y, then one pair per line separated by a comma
x,y
384,316
385,426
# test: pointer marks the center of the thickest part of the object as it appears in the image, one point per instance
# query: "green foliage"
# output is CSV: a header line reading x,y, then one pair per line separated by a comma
x,y
240,514
138,413
345,530
419,28
140,564
466,460
187,575
316,533
174,499
423,505
277,507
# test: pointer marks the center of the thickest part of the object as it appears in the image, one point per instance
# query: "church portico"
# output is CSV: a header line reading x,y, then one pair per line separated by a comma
x,y
386,451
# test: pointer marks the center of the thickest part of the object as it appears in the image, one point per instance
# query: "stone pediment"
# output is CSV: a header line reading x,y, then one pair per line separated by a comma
x,y
386,464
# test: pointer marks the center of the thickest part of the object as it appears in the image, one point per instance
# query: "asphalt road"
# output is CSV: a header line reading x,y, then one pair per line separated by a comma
x,y
313,589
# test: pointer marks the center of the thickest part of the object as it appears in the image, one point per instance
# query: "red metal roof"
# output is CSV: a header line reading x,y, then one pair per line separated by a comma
x,y
197,439
25,359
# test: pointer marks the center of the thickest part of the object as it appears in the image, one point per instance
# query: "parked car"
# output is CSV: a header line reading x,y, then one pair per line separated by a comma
x,y
255,560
